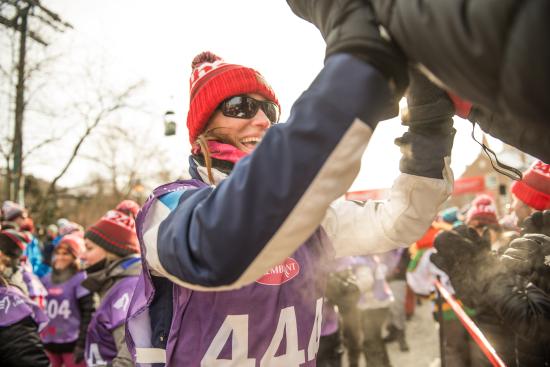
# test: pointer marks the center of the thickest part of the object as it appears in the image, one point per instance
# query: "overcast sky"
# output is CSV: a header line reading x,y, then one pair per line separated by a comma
x,y
156,41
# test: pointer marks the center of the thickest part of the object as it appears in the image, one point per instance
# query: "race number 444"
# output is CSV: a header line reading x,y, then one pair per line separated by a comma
x,y
236,328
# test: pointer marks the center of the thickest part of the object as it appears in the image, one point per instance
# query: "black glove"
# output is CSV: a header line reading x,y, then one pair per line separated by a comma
x,y
467,259
429,115
459,249
349,26
528,254
538,222
429,108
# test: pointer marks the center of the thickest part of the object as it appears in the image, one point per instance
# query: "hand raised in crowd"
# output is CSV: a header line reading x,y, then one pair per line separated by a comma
x,y
528,254
459,249
466,258
429,115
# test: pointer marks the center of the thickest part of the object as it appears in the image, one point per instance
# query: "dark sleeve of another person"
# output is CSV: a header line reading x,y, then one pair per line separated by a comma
x,y
494,53
522,306
86,307
20,345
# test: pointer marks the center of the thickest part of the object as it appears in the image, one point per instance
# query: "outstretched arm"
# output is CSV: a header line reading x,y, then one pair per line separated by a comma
x,y
228,236
418,193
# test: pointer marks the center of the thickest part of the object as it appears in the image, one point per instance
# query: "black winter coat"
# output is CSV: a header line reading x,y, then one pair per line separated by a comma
x,y
525,309
20,345
494,53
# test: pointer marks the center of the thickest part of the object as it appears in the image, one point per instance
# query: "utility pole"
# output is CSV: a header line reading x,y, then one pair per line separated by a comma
x,y
17,150
23,9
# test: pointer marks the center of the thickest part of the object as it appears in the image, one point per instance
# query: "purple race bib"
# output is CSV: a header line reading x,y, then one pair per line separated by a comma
x,y
61,306
111,313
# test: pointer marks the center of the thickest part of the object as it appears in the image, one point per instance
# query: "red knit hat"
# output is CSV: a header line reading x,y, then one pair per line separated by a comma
x,y
115,232
483,211
13,243
212,81
534,188
128,207
74,243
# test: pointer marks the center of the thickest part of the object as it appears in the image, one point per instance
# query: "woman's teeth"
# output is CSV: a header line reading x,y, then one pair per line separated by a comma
x,y
250,141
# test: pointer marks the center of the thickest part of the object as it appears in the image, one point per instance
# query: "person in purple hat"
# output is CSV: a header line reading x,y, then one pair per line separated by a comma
x,y
113,264
69,306
236,257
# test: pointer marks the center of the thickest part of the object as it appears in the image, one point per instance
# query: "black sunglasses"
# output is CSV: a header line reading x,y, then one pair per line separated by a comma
x,y
245,107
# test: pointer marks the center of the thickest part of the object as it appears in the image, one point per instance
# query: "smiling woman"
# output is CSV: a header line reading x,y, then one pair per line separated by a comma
x,y
231,108
235,259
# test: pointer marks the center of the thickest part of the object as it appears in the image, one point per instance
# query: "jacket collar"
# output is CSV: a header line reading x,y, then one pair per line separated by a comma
x,y
199,172
102,280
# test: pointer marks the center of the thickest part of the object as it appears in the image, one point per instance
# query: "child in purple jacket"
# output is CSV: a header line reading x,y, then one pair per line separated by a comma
x,y
69,306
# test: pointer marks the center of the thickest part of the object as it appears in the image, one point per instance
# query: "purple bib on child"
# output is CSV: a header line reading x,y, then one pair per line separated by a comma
x,y
15,306
111,313
275,321
62,309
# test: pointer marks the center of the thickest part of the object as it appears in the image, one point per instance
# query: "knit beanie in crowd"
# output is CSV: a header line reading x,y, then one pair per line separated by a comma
x,y
128,207
13,243
534,188
74,243
212,81
483,211
11,210
69,227
115,232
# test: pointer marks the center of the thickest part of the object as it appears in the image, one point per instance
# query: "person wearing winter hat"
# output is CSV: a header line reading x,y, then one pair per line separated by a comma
x,y
69,306
482,216
51,233
532,193
20,321
237,252
482,212
64,227
13,212
112,265
16,217
452,216
12,245
16,269
128,207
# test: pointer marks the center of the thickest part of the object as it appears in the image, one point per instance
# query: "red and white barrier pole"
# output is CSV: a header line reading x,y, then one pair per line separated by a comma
x,y
471,327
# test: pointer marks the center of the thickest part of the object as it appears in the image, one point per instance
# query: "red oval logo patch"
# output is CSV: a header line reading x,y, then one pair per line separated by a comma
x,y
55,291
281,273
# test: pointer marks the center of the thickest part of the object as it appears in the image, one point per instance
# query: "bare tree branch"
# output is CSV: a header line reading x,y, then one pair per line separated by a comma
x,y
118,103
40,145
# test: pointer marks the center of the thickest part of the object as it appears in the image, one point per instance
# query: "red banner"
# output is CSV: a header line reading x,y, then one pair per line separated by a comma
x,y
469,184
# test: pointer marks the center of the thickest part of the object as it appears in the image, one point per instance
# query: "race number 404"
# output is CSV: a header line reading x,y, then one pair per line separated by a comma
x,y
236,328
55,308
